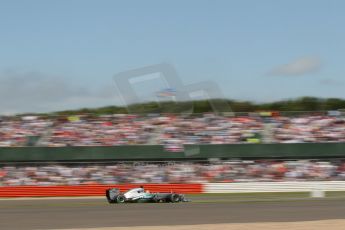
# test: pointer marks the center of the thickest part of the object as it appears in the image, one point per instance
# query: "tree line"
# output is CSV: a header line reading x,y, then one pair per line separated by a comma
x,y
203,106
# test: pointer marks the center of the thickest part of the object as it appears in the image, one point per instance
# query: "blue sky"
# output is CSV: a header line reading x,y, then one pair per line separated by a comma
x,y
63,53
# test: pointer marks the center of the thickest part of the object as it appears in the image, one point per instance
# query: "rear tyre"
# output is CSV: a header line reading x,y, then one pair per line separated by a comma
x,y
110,197
174,198
111,201
155,199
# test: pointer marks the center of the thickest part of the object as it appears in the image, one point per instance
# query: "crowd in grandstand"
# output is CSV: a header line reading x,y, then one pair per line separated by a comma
x,y
309,129
15,131
230,171
100,131
210,129
172,131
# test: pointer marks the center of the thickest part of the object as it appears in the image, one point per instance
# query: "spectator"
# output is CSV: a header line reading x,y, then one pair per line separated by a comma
x,y
230,171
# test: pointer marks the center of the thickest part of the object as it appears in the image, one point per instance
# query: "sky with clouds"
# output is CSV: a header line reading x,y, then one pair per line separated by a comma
x,y
63,54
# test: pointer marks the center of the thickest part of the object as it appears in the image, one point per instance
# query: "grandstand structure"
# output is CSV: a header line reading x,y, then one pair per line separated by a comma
x,y
88,149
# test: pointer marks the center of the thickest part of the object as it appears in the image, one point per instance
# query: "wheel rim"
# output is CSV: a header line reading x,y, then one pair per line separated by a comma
x,y
177,198
120,199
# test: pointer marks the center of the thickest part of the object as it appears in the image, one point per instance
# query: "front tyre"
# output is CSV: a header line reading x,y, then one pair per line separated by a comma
x,y
120,199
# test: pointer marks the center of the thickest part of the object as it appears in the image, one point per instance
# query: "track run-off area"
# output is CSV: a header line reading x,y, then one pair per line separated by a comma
x,y
79,213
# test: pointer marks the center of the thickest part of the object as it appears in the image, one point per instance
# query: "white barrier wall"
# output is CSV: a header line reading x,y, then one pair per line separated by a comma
x,y
295,186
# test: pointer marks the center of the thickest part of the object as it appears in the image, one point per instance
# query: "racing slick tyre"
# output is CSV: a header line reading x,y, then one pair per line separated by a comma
x,y
174,198
110,196
155,199
120,199
111,201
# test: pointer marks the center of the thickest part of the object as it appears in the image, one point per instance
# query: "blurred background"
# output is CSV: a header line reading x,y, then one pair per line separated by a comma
x,y
276,66
239,105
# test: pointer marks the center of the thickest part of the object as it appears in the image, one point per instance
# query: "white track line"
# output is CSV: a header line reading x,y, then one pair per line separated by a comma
x,y
301,225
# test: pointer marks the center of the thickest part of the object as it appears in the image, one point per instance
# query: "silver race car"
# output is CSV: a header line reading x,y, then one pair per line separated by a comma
x,y
139,195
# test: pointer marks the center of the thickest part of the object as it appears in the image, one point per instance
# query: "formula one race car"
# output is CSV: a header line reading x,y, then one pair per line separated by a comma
x,y
139,195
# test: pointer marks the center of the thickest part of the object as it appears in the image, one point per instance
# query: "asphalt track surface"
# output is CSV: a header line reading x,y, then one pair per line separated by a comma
x,y
88,213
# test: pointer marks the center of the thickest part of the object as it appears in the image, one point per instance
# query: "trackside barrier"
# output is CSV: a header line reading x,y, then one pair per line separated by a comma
x,y
296,186
91,190
316,188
